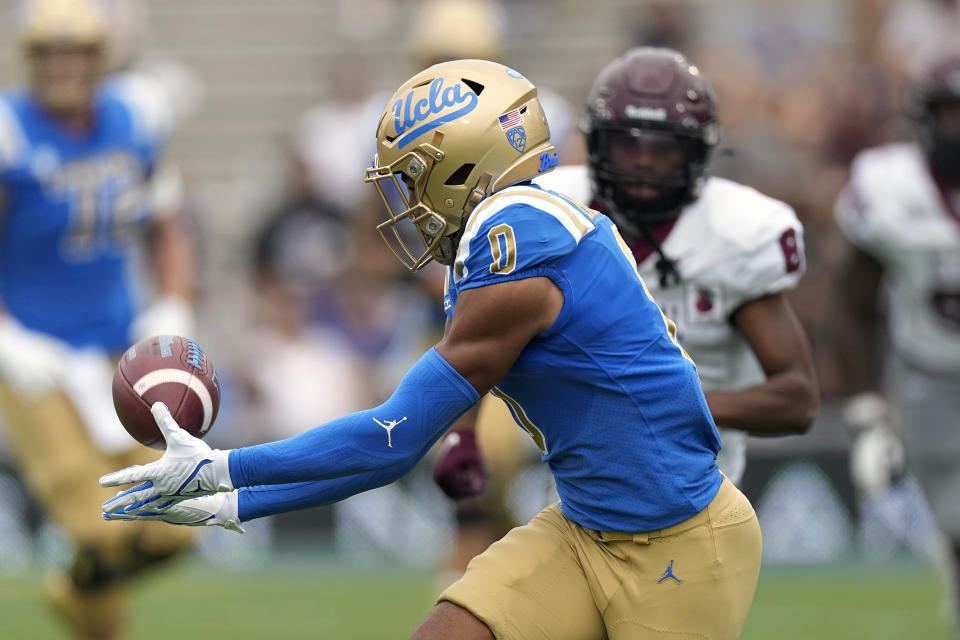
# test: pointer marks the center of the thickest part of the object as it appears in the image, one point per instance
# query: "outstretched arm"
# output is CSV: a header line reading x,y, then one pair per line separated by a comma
x,y
388,438
491,326
429,399
495,324
228,510
256,502
484,340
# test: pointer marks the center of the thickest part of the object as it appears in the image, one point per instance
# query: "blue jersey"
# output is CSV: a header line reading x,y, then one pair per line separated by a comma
x,y
74,203
607,393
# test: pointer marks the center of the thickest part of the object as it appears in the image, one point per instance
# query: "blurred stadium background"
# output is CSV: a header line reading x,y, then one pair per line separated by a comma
x,y
308,317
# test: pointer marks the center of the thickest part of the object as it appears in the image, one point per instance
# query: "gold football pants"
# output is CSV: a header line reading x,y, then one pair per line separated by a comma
x,y
552,579
60,466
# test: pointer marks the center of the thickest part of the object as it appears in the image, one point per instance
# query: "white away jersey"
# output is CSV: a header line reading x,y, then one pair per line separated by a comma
x,y
892,209
732,245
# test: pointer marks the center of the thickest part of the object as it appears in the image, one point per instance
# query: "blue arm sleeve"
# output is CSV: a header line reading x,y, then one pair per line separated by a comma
x,y
256,502
388,439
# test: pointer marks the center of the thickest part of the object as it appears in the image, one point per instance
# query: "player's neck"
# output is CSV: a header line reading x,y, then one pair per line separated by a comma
x,y
642,248
76,122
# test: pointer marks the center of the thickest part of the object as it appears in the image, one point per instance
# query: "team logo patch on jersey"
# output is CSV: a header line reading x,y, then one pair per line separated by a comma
x,y
791,250
704,303
517,137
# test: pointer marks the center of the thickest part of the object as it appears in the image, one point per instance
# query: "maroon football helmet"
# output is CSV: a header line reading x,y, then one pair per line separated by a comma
x,y
933,103
651,125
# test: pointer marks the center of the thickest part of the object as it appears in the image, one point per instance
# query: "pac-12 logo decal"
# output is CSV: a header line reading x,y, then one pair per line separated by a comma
x,y
513,74
517,137
406,113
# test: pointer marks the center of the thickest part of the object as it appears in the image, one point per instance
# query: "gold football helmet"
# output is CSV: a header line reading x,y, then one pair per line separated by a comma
x,y
48,22
74,28
450,136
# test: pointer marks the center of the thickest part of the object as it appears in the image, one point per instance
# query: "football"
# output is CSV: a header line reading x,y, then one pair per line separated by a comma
x,y
169,369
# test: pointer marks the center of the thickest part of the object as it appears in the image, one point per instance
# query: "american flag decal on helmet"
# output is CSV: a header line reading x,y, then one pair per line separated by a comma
x,y
510,119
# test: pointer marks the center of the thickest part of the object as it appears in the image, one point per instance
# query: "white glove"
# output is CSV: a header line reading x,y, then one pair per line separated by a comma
x,y
31,362
188,469
218,510
877,455
166,315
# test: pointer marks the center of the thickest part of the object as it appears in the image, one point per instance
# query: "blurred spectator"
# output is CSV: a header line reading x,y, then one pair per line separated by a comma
x,y
440,30
445,30
337,326
334,141
660,23
913,29
299,374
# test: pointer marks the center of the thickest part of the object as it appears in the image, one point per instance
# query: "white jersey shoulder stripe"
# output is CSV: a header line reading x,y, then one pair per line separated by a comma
x,y
566,213
150,104
12,140
572,219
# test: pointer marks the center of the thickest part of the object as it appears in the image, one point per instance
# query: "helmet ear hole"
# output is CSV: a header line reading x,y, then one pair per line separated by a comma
x,y
476,87
460,176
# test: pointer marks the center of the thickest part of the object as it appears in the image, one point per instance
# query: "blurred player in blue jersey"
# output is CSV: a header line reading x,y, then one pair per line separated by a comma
x,y
545,309
79,191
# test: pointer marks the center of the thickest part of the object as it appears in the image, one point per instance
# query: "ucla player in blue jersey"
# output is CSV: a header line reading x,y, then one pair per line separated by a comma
x,y
78,190
545,309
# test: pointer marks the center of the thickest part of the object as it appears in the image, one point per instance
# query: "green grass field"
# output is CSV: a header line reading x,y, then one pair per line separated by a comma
x,y
293,600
